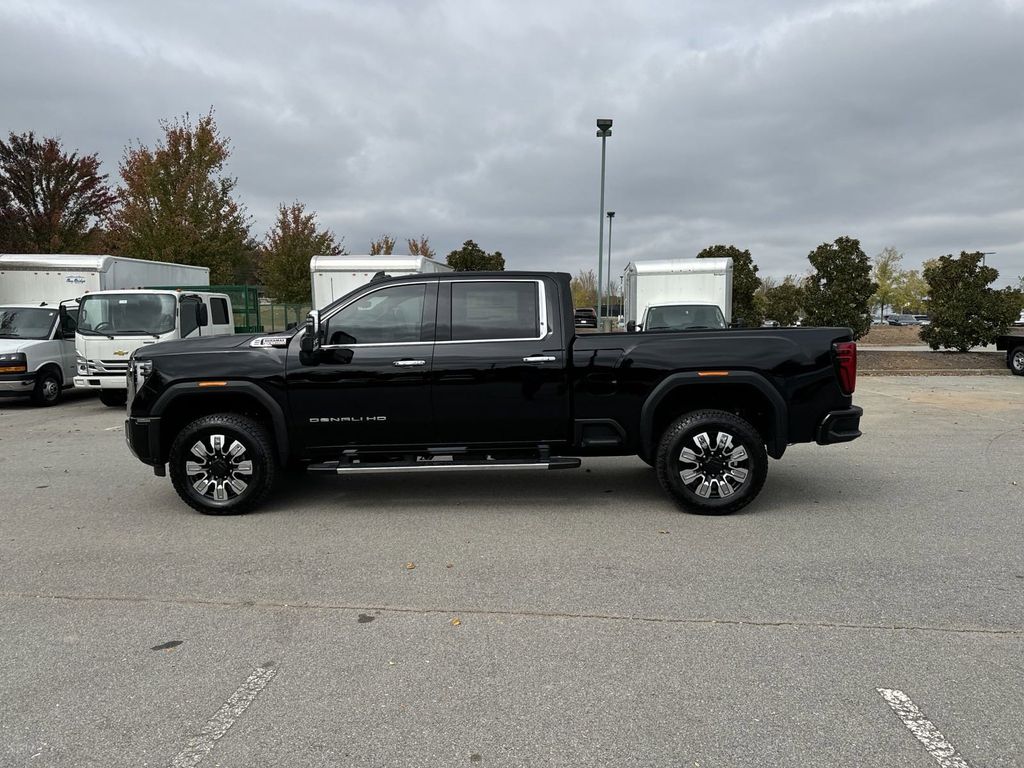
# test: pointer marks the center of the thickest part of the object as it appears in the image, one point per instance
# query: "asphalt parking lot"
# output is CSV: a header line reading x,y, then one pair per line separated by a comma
x,y
558,618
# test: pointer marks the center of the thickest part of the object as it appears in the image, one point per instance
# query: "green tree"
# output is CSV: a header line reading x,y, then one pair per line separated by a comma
x,y
584,289
745,281
781,301
912,294
420,247
287,249
889,278
472,258
964,310
838,291
176,202
382,246
51,201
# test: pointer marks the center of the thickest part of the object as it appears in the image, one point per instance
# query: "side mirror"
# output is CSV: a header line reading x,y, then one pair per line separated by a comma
x,y
631,326
310,341
204,315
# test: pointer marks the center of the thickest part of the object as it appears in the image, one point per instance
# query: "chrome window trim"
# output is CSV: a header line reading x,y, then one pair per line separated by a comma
x,y
542,307
324,320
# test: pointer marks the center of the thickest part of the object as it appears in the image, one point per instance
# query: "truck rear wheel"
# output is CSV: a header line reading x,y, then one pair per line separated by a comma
x,y
222,464
712,462
114,398
1015,360
47,390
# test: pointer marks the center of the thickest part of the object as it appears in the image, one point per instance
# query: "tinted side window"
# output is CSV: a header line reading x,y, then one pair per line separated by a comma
x,y
220,311
498,310
388,316
70,321
189,311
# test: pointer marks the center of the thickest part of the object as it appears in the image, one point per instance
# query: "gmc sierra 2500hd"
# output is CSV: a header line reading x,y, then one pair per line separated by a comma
x,y
483,371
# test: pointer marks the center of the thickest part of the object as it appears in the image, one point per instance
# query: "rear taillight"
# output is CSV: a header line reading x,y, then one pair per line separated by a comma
x,y
846,358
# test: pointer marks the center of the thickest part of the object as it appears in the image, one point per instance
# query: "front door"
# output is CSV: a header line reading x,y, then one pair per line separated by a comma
x,y
368,386
500,370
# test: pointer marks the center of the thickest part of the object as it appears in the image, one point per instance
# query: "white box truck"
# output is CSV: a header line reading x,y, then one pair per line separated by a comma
x,y
37,341
676,294
334,276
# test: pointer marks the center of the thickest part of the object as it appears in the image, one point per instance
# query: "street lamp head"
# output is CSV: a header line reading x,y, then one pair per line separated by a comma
x,y
611,214
604,123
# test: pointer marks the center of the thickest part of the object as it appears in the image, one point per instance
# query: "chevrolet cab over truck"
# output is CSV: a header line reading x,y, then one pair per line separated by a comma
x,y
460,371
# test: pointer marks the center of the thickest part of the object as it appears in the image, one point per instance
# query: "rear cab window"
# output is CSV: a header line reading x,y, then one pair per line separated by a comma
x,y
496,310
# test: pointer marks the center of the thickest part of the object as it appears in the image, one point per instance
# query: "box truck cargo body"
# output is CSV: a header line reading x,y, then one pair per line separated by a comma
x,y
676,282
39,312
334,276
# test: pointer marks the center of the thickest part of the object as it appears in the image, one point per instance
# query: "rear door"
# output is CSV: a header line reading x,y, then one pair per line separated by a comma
x,y
500,368
369,384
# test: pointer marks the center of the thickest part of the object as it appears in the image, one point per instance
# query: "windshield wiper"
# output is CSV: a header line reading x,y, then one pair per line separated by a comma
x,y
9,336
95,333
138,330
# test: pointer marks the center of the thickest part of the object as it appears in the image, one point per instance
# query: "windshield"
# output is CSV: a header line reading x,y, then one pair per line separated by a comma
x,y
126,314
683,317
26,323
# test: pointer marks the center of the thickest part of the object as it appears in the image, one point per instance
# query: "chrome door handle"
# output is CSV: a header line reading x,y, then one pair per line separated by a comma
x,y
540,359
408,363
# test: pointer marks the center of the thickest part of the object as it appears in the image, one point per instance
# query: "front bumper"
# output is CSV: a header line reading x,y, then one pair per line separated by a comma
x,y
15,384
110,381
840,426
143,437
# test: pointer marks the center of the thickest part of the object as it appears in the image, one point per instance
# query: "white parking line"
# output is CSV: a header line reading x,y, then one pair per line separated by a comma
x,y
919,725
199,746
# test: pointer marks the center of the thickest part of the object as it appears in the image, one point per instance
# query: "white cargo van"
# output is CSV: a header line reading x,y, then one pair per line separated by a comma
x,y
113,324
678,293
334,276
37,348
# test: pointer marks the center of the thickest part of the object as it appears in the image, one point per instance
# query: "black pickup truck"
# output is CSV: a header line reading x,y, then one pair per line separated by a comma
x,y
483,371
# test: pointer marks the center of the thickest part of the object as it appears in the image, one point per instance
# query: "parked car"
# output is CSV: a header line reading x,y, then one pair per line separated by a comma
x,y
903,320
482,370
586,317
923,320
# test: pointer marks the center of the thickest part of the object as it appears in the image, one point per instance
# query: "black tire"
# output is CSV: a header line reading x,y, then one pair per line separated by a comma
x,y
237,479
1015,360
48,390
114,398
699,485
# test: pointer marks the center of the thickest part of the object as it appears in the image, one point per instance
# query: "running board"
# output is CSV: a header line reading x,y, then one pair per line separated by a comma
x,y
440,464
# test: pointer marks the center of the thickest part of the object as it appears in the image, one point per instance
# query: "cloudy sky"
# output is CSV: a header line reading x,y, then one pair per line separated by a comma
x,y
771,124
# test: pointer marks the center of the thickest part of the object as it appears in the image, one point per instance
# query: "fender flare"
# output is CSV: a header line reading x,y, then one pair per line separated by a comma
x,y
277,418
776,446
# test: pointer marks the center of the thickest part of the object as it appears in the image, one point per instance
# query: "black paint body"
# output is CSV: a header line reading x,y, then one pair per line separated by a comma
x,y
594,394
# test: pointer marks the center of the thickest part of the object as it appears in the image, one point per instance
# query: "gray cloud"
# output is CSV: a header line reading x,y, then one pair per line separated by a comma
x,y
774,126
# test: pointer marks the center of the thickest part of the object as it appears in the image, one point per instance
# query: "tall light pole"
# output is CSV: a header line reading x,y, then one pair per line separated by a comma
x,y
611,215
604,130
984,254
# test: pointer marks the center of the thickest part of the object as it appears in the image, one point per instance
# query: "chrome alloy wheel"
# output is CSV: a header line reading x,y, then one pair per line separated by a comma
x,y
50,389
1017,361
714,470
219,472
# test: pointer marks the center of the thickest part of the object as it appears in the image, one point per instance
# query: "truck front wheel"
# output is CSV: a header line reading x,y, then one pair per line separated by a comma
x,y
114,398
47,390
1015,361
222,464
712,462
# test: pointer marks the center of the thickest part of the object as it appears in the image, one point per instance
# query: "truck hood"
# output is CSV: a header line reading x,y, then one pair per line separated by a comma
x,y
7,346
203,344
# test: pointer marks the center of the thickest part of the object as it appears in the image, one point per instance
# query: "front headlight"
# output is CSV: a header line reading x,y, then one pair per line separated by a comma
x,y
141,369
14,362
81,365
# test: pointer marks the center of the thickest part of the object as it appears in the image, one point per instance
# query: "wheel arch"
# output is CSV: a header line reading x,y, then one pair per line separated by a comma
x,y
744,393
181,404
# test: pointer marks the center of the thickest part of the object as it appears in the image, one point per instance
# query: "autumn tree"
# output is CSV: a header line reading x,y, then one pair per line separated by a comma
x,y
889,279
472,258
911,296
584,289
745,281
964,310
51,201
420,247
783,301
177,204
284,257
382,246
838,291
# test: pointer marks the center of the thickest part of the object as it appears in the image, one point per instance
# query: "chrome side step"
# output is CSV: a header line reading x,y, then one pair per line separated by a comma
x,y
441,464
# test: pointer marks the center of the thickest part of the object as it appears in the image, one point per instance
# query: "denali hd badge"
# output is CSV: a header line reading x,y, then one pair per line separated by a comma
x,y
345,419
